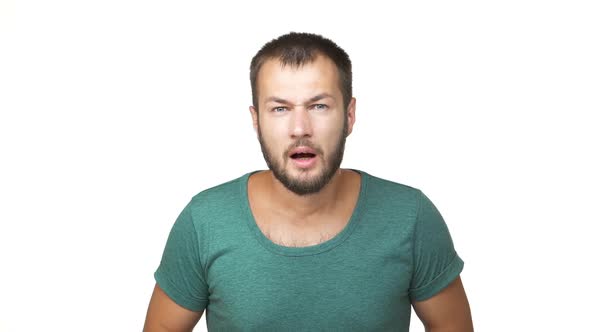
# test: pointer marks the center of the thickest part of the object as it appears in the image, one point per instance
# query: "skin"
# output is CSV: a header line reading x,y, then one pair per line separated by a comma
x,y
447,311
302,104
164,315
279,124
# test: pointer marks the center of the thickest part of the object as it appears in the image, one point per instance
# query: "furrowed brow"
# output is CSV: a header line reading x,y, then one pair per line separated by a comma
x,y
284,101
320,97
277,100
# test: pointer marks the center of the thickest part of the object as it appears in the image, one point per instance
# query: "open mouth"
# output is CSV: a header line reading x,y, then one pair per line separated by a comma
x,y
302,156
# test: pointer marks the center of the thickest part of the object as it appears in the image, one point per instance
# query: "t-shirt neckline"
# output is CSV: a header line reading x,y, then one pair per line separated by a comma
x,y
308,250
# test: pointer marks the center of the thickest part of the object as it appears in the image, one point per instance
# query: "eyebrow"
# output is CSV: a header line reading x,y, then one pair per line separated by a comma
x,y
310,100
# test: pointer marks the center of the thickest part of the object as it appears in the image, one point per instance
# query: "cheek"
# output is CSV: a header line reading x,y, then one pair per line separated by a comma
x,y
272,140
271,127
331,135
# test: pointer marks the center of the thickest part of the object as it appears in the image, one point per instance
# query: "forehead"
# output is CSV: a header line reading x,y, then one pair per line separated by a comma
x,y
298,83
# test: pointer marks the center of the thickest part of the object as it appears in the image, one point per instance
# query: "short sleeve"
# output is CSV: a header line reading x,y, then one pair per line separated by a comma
x,y
436,263
180,273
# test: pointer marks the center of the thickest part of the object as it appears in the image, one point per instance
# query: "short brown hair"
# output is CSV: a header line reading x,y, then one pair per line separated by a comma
x,y
297,49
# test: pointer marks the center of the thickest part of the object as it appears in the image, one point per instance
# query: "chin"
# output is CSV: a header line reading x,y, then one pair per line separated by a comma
x,y
304,181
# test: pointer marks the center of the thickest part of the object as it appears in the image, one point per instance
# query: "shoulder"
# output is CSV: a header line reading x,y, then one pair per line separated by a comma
x,y
389,192
219,198
403,199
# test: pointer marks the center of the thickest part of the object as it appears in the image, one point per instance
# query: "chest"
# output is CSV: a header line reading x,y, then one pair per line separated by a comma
x,y
332,291
293,235
289,231
359,283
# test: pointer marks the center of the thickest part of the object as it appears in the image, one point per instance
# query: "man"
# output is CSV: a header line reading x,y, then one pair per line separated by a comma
x,y
306,245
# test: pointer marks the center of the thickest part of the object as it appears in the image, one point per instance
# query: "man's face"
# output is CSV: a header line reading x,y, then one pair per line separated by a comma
x,y
301,123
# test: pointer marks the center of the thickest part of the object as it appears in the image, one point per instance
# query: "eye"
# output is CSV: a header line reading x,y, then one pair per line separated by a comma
x,y
320,107
279,109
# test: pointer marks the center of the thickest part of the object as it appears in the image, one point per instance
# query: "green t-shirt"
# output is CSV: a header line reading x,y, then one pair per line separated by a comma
x,y
395,248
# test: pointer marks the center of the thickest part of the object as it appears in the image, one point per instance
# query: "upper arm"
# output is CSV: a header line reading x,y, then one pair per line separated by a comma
x,y
165,315
180,295
448,310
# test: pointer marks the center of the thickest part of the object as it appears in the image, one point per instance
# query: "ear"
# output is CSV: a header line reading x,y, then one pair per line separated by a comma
x,y
350,113
254,116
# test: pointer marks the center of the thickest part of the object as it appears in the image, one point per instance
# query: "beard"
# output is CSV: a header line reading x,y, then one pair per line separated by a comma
x,y
329,164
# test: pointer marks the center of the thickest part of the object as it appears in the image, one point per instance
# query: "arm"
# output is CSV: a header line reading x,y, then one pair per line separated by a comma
x,y
164,315
446,311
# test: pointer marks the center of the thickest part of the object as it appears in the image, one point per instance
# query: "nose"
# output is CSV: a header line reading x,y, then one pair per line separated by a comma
x,y
301,123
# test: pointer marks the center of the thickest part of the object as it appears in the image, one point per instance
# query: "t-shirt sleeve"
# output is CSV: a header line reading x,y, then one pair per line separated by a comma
x,y
436,263
180,273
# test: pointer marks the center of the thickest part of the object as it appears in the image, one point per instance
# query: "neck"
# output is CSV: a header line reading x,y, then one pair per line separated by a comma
x,y
302,208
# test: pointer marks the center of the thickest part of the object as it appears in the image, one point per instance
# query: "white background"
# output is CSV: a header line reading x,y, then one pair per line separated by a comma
x,y
115,113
